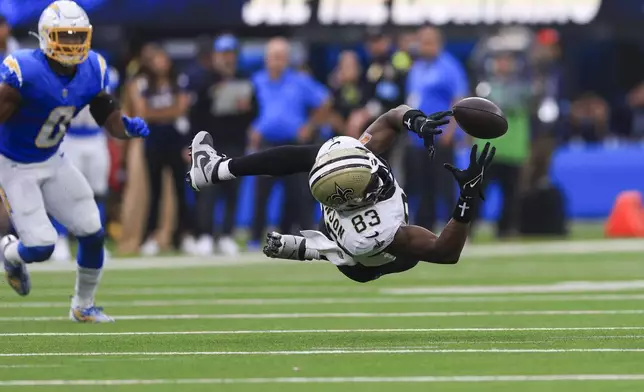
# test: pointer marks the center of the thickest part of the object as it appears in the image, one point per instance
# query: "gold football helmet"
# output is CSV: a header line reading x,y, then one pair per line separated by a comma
x,y
346,175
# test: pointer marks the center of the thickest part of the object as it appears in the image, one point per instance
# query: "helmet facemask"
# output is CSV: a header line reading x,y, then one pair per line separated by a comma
x,y
68,46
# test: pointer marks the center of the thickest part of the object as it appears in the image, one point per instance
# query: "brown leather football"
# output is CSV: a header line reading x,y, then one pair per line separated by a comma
x,y
480,118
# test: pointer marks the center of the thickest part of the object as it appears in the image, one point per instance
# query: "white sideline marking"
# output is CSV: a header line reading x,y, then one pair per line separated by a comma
x,y
27,366
338,351
559,287
333,380
334,331
252,316
156,291
329,301
470,251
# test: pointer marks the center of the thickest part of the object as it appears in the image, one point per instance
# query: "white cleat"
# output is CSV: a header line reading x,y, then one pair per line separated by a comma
x,y
91,315
205,246
16,273
205,160
227,246
189,245
62,252
150,248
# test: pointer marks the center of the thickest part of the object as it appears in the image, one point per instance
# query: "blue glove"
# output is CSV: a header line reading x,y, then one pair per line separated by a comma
x,y
135,127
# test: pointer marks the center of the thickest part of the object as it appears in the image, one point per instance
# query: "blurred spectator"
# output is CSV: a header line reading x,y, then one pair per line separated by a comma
x,y
8,44
224,107
139,63
404,57
291,105
435,81
385,83
589,120
635,100
552,83
349,97
512,92
158,95
199,69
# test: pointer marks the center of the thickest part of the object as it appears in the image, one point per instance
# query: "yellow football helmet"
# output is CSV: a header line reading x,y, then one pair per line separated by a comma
x,y
65,33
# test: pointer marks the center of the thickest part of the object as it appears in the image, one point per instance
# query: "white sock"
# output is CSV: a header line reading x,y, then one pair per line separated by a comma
x,y
11,253
87,280
223,172
311,254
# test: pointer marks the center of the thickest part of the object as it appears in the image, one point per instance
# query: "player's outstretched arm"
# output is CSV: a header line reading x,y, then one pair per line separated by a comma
x,y
106,110
417,243
9,101
380,135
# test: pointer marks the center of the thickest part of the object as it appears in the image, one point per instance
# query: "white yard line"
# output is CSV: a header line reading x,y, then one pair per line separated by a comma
x,y
332,301
253,316
558,287
332,380
336,351
471,251
334,331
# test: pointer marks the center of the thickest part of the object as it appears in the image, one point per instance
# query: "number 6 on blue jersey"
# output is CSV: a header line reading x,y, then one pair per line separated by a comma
x,y
55,126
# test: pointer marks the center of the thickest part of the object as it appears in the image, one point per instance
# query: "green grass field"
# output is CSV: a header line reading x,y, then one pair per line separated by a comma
x,y
559,316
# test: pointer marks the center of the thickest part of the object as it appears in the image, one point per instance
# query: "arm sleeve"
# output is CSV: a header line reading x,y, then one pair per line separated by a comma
x,y
278,161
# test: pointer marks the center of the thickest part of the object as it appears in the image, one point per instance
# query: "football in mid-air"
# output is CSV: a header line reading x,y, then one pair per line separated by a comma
x,y
480,118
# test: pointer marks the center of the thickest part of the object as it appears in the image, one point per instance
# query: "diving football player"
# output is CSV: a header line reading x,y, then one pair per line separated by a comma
x,y
365,230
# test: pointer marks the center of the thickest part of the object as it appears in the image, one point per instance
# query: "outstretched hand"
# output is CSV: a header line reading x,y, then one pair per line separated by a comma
x,y
428,128
135,127
470,180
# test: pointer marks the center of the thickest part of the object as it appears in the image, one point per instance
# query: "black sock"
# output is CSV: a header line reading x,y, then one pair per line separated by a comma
x,y
277,161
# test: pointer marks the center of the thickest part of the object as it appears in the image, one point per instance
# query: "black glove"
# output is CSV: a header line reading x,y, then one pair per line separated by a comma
x,y
426,127
470,181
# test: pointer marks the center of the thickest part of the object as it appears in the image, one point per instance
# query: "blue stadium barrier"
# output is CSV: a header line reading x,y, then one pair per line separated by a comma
x,y
590,177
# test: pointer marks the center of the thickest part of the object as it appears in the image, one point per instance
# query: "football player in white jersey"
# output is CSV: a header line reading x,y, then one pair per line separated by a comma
x,y
365,231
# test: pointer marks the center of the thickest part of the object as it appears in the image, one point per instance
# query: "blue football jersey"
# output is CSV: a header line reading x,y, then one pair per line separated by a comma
x,y
49,102
84,124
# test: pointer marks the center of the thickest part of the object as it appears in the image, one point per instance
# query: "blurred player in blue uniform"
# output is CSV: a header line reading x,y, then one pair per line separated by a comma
x,y
41,91
86,147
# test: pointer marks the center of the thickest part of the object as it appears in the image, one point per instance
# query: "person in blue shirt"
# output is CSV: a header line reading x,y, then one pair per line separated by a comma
x,y
86,147
41,91
435,81
291,105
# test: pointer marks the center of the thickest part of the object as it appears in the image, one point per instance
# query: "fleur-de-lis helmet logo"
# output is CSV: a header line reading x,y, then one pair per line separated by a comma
x,y
341,195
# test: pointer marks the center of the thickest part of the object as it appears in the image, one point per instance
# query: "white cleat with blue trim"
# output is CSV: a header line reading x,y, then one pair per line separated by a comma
x,y
92,315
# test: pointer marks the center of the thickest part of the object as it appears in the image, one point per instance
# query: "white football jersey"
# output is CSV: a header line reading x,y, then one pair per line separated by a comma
x,y
365,234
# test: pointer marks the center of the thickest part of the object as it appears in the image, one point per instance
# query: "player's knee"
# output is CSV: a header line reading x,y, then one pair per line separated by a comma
x,y
90,250
88,223
35,254
362,279
359,273
38,236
